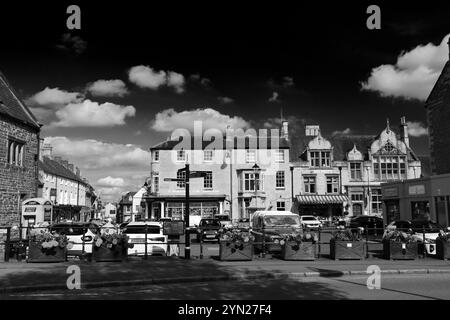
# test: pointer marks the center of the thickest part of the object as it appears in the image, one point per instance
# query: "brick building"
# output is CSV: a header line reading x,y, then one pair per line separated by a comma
x,y
19,154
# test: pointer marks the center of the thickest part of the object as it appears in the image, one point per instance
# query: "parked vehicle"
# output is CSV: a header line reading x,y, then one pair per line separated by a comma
x,y
224,220
208,230
80,235
156,240
311,222
271,225
372,224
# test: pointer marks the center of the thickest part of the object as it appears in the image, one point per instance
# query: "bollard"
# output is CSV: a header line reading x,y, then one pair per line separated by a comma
x,y
201,246
424,246
263,242
83,254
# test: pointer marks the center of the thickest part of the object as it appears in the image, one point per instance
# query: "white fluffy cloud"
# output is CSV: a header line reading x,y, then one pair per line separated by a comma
x,y
93,114
342,132
225,100
147,77
169,120
111,182
108,88
53,97
97,159
274,97
416,129
414,74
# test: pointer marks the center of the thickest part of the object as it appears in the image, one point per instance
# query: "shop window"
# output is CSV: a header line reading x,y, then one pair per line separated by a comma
x,y
376,201
420,210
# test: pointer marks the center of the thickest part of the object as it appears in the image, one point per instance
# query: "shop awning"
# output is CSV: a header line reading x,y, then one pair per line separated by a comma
x,y
322,199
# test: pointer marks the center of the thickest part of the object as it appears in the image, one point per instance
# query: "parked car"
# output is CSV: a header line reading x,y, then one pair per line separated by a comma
x,y
156,240
224,219
311,222
80,235
271,225
372,224
208,230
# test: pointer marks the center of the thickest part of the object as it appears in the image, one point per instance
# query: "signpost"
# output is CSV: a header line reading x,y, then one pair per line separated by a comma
x,y
189,175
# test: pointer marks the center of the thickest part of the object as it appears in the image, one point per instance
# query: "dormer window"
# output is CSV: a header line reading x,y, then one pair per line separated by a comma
x,y
320,158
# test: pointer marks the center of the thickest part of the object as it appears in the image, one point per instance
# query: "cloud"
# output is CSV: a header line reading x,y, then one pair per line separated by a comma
x,y
169,120
176,81
54,97
414,74
73,44
93,114
225,100
288,82
342,132
274,97
203,81
110,182
108,88
416,129
148,78
285,83
97,159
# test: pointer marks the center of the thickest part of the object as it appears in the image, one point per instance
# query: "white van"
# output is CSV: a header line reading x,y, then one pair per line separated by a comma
x,y
271,225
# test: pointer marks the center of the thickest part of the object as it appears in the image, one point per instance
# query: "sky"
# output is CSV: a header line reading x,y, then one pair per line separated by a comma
x,y
138,70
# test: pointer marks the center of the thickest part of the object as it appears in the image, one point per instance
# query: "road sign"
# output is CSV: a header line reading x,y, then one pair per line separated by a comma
x,y
173,179
198,174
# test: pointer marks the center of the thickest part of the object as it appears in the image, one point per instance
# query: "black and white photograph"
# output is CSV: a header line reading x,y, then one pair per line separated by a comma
x,y
240,153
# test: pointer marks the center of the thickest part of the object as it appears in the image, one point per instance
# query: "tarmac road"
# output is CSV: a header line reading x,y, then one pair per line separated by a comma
x,y
393,287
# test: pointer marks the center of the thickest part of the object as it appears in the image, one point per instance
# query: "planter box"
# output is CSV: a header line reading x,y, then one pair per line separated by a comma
x,y
400,251
230,251
37,254
298,251
442,249
117,253
346,250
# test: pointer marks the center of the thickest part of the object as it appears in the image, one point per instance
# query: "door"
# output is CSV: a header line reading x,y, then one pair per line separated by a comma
x,y
357,209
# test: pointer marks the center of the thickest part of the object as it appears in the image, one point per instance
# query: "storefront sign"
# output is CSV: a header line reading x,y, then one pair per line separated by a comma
x,y
416,190
390,192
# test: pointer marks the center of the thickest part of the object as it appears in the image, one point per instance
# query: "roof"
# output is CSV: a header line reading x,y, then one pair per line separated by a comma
x,y
55,168
440,92
239,143
12,106
342,144
125,197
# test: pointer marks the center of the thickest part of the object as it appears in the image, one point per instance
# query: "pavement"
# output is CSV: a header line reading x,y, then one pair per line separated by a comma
x,y
27,277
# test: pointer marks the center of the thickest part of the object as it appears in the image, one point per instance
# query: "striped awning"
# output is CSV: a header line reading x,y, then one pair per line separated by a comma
x,y
322,199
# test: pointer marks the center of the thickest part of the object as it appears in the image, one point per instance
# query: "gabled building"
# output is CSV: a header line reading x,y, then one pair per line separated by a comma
x,y
19,154
125,208
344,173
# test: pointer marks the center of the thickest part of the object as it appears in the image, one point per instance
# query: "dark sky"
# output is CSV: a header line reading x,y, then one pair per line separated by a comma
x,y
325,48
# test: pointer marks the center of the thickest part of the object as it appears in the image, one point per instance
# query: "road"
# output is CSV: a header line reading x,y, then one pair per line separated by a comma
x,y
393,287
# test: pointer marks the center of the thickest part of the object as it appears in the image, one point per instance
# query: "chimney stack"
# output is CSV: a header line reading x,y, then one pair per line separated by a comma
x,y
405,130
312,131
285,130
46,150
71,167
77,171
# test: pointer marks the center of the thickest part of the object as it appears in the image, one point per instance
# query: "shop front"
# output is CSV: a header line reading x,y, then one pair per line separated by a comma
x,y
418,199
321,205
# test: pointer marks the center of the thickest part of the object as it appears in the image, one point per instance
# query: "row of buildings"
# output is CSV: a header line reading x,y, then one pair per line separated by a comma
x,y
333,176
29,170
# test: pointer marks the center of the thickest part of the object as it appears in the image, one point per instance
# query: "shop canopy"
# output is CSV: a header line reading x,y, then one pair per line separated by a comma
x,y
322,199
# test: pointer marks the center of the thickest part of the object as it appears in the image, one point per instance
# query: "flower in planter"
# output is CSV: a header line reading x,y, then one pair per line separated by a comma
x,y
343,234
111,239
444,236
399,236
48,240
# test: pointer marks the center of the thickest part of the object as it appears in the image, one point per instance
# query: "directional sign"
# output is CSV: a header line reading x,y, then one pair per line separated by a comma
x,y
198,174
173,179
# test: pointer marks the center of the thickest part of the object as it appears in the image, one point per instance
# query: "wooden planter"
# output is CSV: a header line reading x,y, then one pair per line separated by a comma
x,y
298,251
117,253
232,251
395,250
37,254
442,249
346,250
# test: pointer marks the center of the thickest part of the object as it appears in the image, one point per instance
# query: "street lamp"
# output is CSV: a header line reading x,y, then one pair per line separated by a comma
x,y
256,169
340,179
368,191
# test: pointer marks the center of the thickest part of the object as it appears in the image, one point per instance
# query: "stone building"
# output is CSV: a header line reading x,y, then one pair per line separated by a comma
x,y
245,172
19,154
344,173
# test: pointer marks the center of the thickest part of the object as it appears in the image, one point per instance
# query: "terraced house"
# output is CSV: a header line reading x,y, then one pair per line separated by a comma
x,y
19,154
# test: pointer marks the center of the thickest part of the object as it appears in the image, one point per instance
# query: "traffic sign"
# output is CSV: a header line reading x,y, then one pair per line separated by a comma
x,y
198,174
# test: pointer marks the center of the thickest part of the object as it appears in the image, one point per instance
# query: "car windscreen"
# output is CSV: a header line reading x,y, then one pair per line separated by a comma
x,y
223,218
142,230
281,220
70,230
308,219
210,223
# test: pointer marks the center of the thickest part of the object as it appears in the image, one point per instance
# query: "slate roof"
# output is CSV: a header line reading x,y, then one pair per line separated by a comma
x,y
249,141
125,197
55,168
13,107
441,90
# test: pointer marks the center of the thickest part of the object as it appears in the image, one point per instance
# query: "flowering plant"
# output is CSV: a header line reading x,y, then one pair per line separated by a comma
x,y
110,239
49,240
235,235
343,234
398,236
298,237
444,236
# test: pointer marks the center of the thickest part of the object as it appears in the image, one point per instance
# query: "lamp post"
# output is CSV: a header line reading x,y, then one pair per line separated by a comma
x,y
255,171
368,191
340,179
